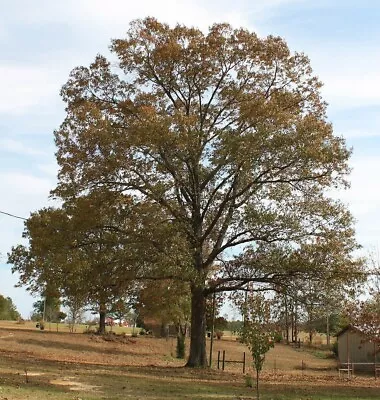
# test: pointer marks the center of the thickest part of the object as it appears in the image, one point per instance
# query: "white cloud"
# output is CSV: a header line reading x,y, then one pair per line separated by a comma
x,y
23,87
349,74
49,169
22,183
363,198
193,13
360,133
352,88
120,12
19,147
30,85
364,194
22,193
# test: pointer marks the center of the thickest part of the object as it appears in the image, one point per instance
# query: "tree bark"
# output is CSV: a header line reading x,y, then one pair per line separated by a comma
x,y
295,323
286,320
257,385
164,330
102,321
197,355
328,329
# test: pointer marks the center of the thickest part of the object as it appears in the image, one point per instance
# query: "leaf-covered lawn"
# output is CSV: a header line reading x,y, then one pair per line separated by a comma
x,y
38,365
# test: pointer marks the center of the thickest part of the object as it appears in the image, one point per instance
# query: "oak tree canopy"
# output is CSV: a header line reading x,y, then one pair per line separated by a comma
x,y
225,134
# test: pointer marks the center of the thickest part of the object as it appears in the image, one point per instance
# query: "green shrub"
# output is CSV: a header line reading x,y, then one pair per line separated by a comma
x,y
248,380
277,337
180,346
334,348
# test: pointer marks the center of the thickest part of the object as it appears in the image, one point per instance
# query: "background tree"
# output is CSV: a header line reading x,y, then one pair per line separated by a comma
x,y
74,249
221,323
318,300
365,315
75,304
48,308
234,326
337,322
282,313
8,310
166,301
214,321
373,272
121,310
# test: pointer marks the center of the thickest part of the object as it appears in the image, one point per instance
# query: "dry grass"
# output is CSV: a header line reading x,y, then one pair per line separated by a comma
x,y
282,359
39,364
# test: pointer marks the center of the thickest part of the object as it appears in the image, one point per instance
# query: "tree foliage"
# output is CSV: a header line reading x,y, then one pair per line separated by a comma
x,y
71,249
8,310
166,301
257,332
365,315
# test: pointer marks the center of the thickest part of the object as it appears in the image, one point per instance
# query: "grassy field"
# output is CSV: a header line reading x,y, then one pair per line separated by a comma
x,y
40,365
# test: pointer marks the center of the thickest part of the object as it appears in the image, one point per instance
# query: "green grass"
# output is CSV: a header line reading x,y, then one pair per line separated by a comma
x,y
158,383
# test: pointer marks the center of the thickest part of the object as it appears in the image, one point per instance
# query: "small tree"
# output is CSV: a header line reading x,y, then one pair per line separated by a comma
x,y
8,310
257,332
180,350
121,310
75,304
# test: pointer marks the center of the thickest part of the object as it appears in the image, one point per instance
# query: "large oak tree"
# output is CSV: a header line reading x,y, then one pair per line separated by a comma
x,y
226,134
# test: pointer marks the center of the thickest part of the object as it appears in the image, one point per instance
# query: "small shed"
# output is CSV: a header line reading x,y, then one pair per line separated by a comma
x,y
354,347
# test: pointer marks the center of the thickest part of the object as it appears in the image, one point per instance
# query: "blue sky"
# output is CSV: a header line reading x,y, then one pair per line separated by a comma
x,y
41,41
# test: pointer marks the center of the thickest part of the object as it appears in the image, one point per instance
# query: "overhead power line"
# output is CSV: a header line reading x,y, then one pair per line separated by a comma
x,y
12,215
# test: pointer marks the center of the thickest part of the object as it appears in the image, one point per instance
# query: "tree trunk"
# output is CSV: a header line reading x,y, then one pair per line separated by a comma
x,y
286,320
257,385
164,330
293,327
102,321
328,329
198,356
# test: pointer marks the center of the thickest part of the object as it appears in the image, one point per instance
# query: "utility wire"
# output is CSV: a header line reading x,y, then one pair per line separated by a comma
x,y
13,216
